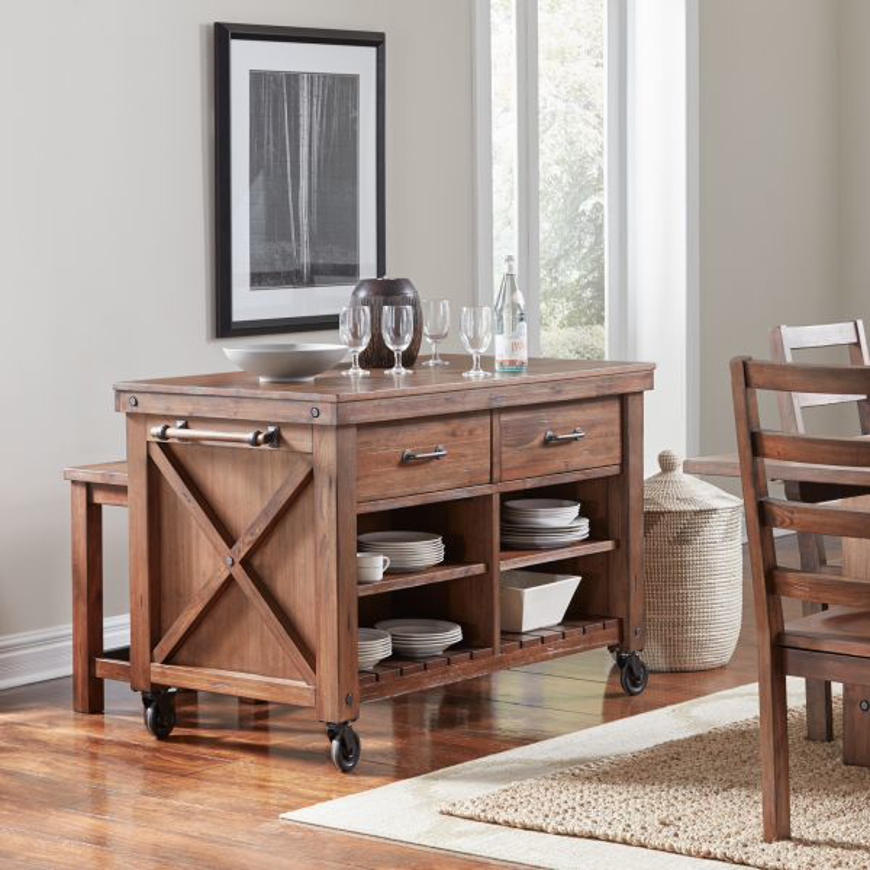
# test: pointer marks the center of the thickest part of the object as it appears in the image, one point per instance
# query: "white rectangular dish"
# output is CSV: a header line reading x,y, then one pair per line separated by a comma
x,y
535,599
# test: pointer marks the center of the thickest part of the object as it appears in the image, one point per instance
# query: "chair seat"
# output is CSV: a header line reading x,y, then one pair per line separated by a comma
x,y
842,630
105,473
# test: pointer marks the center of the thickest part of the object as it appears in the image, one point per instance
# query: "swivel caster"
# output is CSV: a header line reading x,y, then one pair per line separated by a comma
x,y
633,673
344,746
159,713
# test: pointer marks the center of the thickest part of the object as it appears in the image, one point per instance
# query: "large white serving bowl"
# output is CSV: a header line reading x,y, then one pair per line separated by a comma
x,y
285,363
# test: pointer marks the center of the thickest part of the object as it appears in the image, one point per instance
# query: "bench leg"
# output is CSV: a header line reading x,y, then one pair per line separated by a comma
x,y
87,593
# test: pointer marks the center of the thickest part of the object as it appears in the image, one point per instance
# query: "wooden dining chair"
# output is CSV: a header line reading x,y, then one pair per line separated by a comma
x,y
833,644
785,341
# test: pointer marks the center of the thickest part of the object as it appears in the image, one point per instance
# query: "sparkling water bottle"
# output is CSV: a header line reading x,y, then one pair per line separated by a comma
x,y
511,339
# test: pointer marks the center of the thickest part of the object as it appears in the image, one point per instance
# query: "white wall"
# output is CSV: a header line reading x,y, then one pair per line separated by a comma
x,y
769,183
854,177
105,216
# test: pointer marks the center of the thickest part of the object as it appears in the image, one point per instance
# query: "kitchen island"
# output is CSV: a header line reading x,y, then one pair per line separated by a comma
x,y
245,502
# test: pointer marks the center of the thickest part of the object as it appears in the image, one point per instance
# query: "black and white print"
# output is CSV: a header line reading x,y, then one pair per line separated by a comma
x,y
299,159
304,196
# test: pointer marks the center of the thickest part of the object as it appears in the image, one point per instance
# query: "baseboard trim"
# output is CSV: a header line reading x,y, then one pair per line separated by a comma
x,y
46,654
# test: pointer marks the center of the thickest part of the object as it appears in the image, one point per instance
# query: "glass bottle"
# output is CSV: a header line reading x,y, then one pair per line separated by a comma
x,y
511,338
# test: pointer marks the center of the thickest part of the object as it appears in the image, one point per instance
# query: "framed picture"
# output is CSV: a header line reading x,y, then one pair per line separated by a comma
x,y
299,159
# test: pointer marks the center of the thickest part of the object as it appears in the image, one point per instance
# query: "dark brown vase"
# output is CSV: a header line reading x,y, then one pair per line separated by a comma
x,y
376,293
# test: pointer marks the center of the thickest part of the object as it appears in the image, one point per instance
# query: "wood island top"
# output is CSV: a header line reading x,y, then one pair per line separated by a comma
x,y
333,387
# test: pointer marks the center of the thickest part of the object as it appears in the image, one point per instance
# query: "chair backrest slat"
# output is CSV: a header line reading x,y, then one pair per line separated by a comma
x,y
818,519
815,400
821,588
789,447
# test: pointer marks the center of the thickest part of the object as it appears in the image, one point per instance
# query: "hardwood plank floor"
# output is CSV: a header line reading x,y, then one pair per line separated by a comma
x,y
99,792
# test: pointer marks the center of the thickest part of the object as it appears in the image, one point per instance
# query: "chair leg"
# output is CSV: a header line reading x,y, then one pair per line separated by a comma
x,y
856,718
87,577
820,718
776,813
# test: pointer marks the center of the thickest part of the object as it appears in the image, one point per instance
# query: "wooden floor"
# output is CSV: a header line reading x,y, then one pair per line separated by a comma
x,y
82,791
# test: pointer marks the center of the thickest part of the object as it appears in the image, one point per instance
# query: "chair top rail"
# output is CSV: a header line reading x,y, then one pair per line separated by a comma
x,y
820,335
811,450
807,378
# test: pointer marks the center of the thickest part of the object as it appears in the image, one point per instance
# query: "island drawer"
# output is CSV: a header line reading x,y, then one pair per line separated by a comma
x,y
422,455
548,439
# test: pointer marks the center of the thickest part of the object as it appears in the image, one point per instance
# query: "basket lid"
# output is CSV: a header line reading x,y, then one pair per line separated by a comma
x,y
672,490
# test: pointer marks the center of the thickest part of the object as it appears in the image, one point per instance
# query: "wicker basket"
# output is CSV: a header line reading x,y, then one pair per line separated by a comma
x,y
693,571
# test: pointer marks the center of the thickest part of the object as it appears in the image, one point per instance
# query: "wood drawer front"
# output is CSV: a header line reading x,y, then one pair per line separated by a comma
x,y
525,453
382,473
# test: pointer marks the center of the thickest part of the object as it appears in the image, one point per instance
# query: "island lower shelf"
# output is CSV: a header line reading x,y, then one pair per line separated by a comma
x,y
395,676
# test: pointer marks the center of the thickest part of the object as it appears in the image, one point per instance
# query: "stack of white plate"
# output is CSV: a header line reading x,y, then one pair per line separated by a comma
x,y
542,523
421,638
373,645
408,551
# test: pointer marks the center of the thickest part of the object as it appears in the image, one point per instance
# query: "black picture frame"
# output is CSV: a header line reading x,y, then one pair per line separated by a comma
x,y
224,34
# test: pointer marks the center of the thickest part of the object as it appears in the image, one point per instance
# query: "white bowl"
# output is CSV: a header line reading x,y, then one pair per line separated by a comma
x,y
285,363
531,599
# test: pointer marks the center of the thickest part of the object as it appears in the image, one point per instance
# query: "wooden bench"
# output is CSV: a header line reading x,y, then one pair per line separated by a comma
x,y
92,486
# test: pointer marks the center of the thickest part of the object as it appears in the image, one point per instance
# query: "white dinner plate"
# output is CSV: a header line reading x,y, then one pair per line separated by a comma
x,y
399,537
410,625
577,523
541,504
415,545
571,533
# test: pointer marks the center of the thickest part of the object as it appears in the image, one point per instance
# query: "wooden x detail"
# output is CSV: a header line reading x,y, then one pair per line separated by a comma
x,y
232,554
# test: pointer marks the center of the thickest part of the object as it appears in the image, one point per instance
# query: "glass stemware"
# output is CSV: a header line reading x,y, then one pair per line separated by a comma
x,y
355,329
397,328
436,327
475,329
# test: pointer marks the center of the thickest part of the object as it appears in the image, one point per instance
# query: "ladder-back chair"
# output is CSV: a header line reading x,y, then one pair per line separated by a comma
x,y
785,341
833,644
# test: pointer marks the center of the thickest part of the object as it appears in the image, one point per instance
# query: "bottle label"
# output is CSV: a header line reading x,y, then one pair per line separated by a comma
x,y
512,351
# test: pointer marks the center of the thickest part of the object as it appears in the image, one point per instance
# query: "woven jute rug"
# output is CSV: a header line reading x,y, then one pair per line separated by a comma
x,y
700,796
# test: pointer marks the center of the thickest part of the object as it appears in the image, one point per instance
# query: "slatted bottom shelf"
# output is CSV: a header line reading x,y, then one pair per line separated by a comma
x,y
396,676
114,664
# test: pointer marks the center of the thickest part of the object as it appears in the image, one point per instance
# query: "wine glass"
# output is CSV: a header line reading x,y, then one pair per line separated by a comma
x,y
355,329
436,326
397,328
476,333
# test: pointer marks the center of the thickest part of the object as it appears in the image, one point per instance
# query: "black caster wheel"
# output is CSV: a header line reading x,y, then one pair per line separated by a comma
x,y
619,657
633,673
344,747
159,714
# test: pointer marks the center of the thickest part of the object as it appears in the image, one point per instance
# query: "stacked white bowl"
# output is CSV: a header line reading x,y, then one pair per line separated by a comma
x,y
542,523
373,645
408,551
421,638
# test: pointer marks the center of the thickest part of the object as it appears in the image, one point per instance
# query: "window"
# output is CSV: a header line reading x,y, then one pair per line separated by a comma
x,y
547,151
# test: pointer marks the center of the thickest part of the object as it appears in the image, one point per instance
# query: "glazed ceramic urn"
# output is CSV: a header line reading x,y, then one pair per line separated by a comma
x,y
377,293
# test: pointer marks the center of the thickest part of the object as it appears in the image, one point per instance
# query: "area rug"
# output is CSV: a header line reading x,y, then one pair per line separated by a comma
x,y
408,810
700,796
